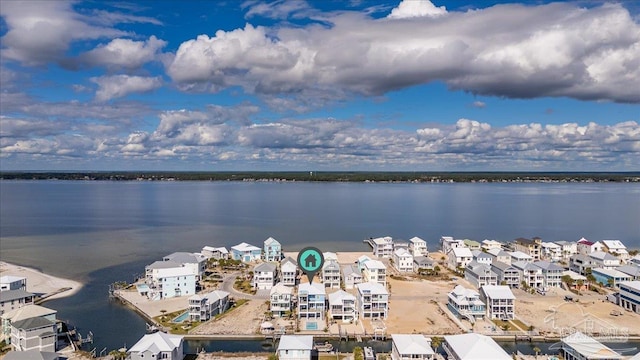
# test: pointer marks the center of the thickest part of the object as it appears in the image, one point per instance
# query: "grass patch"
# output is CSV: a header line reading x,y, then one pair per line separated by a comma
x,y
180,328
332,356
244,286
520,324
506,325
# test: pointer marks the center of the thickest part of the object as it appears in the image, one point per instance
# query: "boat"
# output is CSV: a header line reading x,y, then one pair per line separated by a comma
x,y
323,347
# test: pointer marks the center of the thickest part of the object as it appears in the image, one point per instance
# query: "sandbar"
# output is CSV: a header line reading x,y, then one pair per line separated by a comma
x,y
48,286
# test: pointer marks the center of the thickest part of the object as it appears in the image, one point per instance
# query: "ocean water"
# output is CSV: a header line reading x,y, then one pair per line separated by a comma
x,y
102,232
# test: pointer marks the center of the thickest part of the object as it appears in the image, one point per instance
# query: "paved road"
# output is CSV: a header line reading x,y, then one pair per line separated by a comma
x,y
227,285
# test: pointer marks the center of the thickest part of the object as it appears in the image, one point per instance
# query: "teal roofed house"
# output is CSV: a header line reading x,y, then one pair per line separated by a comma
x,y
272,250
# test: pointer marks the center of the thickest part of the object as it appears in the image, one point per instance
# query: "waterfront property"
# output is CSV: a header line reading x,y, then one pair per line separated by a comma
x,y
342,306
530,274
205,307
551,251
490,244
500,302
403,260
447,243
604,260
471,244
280,299
158,345
31,355
196,262
567,249
482,257
466,303
630,295
531,247
331,273
289,272
382,246
375,271
246,252
361,261
517,256
608,277
351,275
10,282
295,347
411,346
480,274
500,255
579,346
423,263
459,257
264,276
473,346
551,273
13,299
616,248
216,253
418,247
24,313
372,300
579,263
311,301
272,250
171,282
36,333
586,247
507,274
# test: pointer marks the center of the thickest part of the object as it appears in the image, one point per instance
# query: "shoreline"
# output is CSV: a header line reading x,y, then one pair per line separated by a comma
x,y
47,287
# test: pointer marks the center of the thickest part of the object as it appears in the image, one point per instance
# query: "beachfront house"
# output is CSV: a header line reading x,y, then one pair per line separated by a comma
x,y
632,271
487,245
24,313
447,243
10,282
382,246
531,247
36,333
311,301
517,256
203,307
567,249
530,274
264,276
216,253
272,250
577,282
465,303
280,299
609,277
403,260
196,262
372,300
471,244
158,345
480,274
482,257
630,295
375,271
579,346
361,261
499,300
411,347
500,255
331,273
459,258
289,272
604,260
351,275
246,252
586,247
473,346
166,283
342,306
422,264
13,299
507,274
551,251
551,274
418,247
579,263
295,347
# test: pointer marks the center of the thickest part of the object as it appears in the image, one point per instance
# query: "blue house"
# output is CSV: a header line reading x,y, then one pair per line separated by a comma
x,y
245,252
272,250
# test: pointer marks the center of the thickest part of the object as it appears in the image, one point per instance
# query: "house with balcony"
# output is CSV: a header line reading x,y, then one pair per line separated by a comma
x,y
530,274
630,295
280,299
418,247
158,345
519,256
13,299
499,300
579,263
482,257
194,261
551,251
411,347
567,249
579,346
372,300
361,261
36,333
10,282
351,275
272,250
586,247
423,263
465,303
473,346
382,246
246,252
165,283
331,273
311,301
375,271
500,255
403,260
551,274
204,307
609,277
447,243
459,258
487,245
216,253
23,313
531,247
480,274
616,248
507,274
264,276
295,347
342,306
289,272
604,260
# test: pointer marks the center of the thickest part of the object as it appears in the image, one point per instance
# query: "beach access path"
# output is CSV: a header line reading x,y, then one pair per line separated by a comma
x,y
46,286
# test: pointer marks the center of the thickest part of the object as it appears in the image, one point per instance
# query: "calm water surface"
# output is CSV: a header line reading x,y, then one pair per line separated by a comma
x,y
101,232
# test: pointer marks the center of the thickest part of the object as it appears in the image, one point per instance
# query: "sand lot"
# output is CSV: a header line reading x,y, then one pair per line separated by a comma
x,y
244,320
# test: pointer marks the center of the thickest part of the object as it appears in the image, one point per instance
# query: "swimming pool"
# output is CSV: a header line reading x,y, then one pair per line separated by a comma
x,y
181,318
312,326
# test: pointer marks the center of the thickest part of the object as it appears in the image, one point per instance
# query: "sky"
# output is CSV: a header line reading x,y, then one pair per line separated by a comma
x,y
360,85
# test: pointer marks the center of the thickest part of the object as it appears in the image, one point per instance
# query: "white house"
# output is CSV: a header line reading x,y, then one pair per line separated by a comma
x,y
604,260
342,306
482,257
36,333
500,255
500,302
630,295
567,249
295,347
158,345
194,261
411,346
551,274
171,282
372,300
216,253
507,274
362,260
418,247
480,274
24,313
530,274
204,307
473,346
586,247
351,275
551,251
382,246
459,257
579,263
264,276
10,282
289,272
447,243
490,244
579,346
331,274
311,301
635,261
616,248
13,299
246,252
424,263
520,256
403,260
272,250
466,303
281,299
375,271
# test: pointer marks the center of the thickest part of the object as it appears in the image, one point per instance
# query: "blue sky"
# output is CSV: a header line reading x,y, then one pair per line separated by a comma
x,y
368,85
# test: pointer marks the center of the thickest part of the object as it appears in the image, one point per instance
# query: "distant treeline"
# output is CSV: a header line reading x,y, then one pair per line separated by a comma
x,y
330,176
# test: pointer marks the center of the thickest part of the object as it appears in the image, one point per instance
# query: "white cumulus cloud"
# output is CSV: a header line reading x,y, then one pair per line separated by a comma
x,y
110,87
416,8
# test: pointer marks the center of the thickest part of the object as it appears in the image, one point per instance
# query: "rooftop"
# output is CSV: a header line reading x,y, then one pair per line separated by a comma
x,y
245,247
296,342
589,347
373,287
157,342
497,292
474,346
185,258
32,323
32,354
271,241
265,267
9,295
311,289
412,344
339,296
635,285
10,278
28,311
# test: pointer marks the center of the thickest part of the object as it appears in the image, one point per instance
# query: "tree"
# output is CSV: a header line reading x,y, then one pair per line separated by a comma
x,y
118,354
567,280
357,353
536,350
610,282
273,357
436,269
436,341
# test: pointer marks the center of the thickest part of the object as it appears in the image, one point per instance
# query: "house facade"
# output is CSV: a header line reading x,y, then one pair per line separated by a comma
x,y
423,263
196,262
37,333
551,251
530,274
158,345
246,252
375,271
507,274
551,274
272,250
24,313
480,274
459,257
609,278
372,300
331,274
351,275
10,282
207,306
217,253
13,299
418,247
531,247
586,247
289,272
500,255
466,303
280,299
382,246
487,245
342,306
171,282
500,302
264,276
411,347
630,295
567,249
604,260
403,260
311,301
295,347
447,243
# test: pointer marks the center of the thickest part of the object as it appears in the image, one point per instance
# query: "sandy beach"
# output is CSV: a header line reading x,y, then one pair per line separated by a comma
x,y
41,283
